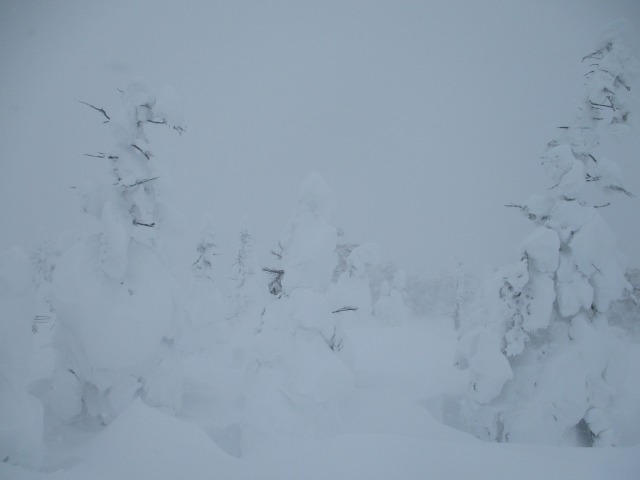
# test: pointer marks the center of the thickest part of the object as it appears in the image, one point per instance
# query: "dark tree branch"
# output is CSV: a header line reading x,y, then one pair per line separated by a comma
x,y
618,188
141,182
101,110
102,155
598,54
347,308
150,225
146,154
594,104
273,271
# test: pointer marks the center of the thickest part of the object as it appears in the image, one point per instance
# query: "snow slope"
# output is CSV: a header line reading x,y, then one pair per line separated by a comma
x,y
387,430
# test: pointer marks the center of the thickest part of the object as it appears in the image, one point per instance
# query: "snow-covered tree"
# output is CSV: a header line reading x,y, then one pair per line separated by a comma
x,y
205,302
390,307
244,288
297,376
206,252
353,287
463,296
544,364
112,293
343,250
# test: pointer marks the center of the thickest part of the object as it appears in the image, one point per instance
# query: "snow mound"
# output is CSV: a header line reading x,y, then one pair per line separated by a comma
x,y
145,443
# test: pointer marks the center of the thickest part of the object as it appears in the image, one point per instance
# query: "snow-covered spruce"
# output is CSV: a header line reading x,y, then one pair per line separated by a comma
x,y
297,376
112,293
544,363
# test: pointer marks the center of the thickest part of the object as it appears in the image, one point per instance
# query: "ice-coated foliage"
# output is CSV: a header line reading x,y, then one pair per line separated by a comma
x,y
112,293
543,361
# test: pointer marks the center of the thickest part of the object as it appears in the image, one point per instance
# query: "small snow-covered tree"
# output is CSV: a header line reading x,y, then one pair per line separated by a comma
x,y
205,304
353,288
206,253
112,293
343,250
390,307
275,272
244,278
544,364
463,296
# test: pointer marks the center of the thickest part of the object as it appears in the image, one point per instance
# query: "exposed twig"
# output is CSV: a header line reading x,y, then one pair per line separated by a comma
x,y
594,104
596,54
618,188
150,225
347,308
140,182
273,271
102,155
101,110
146,154
276,254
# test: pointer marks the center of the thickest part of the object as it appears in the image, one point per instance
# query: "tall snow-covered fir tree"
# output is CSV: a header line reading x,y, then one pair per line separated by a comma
x,y
544,364
112,293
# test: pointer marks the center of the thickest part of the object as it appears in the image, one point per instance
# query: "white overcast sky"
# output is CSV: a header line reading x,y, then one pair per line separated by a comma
x,y
425,117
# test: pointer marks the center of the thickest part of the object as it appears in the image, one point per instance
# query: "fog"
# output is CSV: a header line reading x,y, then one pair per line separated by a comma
x,y
425,118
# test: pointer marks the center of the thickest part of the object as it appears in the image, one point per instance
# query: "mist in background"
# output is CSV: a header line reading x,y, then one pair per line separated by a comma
x,y
425,118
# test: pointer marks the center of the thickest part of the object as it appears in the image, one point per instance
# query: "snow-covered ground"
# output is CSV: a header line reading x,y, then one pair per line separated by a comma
x,y
389,427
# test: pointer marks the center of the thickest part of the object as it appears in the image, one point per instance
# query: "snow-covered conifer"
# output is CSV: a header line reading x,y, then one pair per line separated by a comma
x,y
112,293
543,361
